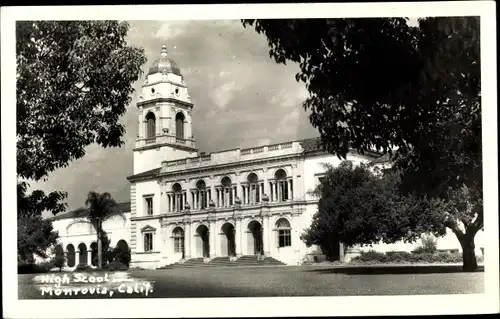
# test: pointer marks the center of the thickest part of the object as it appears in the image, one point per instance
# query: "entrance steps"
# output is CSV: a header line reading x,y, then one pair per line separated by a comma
x,y
250,260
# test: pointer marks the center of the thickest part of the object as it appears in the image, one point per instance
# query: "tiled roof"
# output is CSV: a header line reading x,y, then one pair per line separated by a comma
x,y
82,212
150,173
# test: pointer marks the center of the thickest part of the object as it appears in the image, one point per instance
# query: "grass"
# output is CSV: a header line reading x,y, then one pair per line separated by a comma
x,y
289,281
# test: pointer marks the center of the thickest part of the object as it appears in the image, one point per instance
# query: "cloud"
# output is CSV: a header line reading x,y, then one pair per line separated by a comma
x,y
170,30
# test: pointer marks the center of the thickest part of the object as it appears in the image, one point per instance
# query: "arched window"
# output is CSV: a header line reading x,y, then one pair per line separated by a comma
x,y
254,189
226,193
179,126
71,257
178,235
151,126
284,233
177,198
200,195
283,186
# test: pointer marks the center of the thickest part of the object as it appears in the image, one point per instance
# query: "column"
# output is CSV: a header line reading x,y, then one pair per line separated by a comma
x,y
289,182
190,199
237,238
213,194
295,233
265,236
219,197
169,203
77,257
278,191
187,240
89,257
184,200
213,233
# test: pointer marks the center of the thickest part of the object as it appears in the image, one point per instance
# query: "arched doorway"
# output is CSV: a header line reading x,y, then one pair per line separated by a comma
x,y
255,238
70,255
228,243
82,248
93,254
58,250
178,236
203,244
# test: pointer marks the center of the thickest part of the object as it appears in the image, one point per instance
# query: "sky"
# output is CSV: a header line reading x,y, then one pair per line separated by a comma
x,y
241,97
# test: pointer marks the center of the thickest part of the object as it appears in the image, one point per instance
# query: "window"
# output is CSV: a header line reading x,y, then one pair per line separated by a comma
x,y
149,205
284,238
148,242
179,126
178,240
151,125
284,233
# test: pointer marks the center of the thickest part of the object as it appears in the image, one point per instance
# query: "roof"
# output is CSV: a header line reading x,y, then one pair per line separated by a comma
x,y
150,173
164,64
82,212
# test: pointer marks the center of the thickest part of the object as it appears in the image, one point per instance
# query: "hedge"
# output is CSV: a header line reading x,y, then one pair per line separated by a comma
x,y
406,257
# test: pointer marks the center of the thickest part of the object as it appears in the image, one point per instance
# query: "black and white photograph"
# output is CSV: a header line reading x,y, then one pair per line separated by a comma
x,y
194,157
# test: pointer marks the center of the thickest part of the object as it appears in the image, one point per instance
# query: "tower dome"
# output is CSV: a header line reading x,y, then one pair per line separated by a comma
x,y
164,64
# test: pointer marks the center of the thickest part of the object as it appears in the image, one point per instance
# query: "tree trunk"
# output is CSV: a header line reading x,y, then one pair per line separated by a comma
x,y
469,253
99,248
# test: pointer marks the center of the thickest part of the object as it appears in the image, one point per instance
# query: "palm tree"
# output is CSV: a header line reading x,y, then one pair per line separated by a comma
x,y
100,207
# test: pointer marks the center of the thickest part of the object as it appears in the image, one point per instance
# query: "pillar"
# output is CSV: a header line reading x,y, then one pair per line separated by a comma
x,y
187,240
289,182
238,237
266,236
213,233
77,257
219,197
89,257
295,233
234,194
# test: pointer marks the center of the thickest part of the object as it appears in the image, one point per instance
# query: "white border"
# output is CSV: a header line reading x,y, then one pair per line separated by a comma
x,y
240,307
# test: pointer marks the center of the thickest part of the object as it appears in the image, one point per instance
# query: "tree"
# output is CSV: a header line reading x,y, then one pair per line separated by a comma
x,y
74,81
100,208
358,206
34,237
59,260
410,92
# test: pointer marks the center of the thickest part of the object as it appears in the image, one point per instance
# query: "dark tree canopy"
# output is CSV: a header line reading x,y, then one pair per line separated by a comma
x,y
74,81
359,207
411,92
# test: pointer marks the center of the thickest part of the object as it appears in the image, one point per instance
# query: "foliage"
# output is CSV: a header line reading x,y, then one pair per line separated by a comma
x,y
358,207
428,245
83,268
74,81
116,265
122,256
371,257
59,261
411,92
35,237
33,268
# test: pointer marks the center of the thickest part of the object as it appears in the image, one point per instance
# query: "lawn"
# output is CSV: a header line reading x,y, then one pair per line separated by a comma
x,y
280,281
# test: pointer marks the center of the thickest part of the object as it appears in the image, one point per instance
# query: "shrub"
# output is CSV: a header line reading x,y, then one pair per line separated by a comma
x,y
428,245
371,255
32,268
122,256
116,265
82,267
398,256
59,261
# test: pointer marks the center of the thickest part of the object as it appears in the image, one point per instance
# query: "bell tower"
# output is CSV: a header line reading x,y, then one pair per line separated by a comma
x,y
165,122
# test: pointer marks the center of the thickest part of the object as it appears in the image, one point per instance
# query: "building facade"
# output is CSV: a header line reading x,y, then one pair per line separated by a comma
x,y
185,204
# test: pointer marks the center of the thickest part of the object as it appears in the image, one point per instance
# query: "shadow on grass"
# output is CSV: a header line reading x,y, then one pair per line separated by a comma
x,y
394,270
